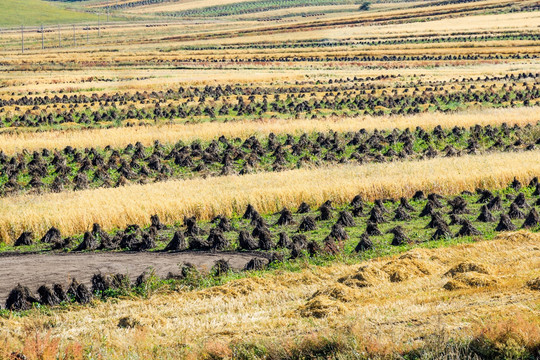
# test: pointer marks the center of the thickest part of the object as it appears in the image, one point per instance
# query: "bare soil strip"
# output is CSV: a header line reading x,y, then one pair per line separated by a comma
x,y
38,269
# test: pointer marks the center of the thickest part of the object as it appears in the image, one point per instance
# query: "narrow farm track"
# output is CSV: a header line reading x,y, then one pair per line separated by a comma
x,y
36,269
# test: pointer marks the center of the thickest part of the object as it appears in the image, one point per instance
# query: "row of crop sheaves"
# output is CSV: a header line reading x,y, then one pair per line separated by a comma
x,y
237,58
321,43
234,60
285,236
298,88
73,169
253,232
360,102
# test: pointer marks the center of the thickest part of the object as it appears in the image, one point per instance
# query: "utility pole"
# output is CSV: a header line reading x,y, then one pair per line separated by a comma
x,y
74,41
22,37
42,38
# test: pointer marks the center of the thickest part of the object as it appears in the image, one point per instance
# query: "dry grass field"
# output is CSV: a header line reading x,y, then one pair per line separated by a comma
x,y
389,151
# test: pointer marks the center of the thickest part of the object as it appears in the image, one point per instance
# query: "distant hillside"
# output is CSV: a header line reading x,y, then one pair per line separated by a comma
x,y
35,12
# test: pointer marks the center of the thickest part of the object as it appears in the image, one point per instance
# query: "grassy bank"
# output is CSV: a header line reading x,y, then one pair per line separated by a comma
x,y
37,12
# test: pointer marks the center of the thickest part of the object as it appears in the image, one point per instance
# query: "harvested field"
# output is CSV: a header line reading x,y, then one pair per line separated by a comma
x,y
69,169
333,229
312,301
311,100
74,212
120,137
355,179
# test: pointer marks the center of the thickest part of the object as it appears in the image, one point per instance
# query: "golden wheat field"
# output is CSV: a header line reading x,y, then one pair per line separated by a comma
x,y
262,179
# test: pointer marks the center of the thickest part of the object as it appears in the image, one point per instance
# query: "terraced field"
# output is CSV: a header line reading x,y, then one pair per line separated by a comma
x,y
272,180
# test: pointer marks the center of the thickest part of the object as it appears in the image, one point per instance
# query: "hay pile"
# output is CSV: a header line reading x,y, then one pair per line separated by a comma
x,y
366,275
407,266
465,267
339,297
468,275
469,280
338,292
322,306
412,264
329,301
534,284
